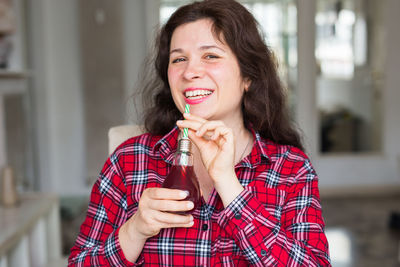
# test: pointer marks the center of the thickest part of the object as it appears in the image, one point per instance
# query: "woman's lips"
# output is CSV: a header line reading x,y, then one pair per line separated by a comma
x,y
193,101
197,95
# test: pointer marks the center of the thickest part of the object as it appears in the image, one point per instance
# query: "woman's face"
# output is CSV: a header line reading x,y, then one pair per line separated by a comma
x,y
204,73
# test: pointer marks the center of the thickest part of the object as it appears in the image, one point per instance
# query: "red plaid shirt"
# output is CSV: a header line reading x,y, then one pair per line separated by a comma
x,y
275,221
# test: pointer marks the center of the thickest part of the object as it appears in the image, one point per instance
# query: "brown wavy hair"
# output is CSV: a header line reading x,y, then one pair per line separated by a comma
x,y
264,104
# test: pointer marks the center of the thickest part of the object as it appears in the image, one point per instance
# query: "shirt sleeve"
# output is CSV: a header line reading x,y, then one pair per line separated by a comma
x,y
296,239
97,243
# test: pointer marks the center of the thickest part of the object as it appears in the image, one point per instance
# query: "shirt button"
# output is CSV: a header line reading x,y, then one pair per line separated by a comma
x,y
263,252
238,216
204,227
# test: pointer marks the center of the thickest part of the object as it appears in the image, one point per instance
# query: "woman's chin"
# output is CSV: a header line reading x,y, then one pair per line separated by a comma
x,y
202,113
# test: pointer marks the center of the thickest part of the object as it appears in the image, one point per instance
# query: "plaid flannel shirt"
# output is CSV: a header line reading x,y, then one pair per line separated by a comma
x,y
275,221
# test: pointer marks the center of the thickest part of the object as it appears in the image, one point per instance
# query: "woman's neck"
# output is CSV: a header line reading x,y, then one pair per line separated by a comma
x,y
243,137
243,142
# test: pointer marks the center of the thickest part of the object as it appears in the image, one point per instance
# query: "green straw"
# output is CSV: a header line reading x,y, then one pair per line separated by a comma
x,y
185,130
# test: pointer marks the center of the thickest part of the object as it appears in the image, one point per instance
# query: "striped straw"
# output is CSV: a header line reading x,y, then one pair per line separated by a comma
x,y
185,130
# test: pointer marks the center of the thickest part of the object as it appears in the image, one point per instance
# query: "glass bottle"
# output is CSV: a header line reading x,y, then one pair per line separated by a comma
x,y
182,174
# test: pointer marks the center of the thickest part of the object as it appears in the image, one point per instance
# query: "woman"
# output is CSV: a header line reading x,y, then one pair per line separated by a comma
x,y
260,202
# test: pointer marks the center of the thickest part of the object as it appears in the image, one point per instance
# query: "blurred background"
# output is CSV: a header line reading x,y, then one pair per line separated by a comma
x,y
68,69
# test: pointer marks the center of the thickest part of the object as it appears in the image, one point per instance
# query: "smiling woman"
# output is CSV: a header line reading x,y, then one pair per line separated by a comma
x,y
260,202
204,72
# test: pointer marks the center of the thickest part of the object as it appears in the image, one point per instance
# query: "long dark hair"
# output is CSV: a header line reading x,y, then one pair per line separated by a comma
x,y
264,105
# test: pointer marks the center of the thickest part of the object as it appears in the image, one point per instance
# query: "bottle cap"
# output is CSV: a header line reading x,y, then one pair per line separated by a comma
x,y
184,145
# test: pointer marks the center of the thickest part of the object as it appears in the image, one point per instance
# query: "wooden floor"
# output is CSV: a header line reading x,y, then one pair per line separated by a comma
x,y
358,231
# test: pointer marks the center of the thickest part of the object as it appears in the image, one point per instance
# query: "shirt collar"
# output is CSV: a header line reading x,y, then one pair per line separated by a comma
x,y
167,145
258,152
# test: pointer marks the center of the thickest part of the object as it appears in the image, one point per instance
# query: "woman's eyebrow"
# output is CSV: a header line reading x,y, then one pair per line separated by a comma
x,y
203,47
207,47
176,50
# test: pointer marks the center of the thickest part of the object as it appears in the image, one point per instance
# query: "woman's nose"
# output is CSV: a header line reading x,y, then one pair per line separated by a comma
x,y
194,70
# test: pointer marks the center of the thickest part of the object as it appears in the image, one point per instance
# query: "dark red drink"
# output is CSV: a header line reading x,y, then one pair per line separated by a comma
x,y
184,178
182,175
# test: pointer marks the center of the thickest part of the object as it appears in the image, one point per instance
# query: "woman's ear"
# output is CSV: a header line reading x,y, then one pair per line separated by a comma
x,y
247,83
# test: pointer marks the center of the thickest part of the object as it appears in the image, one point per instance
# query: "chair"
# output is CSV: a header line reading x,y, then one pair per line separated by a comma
x,y
118,134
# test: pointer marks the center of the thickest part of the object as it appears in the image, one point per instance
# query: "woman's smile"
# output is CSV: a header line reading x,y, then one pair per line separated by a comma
x,y
197,95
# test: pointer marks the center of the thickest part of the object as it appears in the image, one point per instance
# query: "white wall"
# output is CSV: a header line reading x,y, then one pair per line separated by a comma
x,y
57,85
306,112
391,107
141,19
57,95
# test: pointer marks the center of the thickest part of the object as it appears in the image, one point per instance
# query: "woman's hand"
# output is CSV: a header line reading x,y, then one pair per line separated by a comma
x,y
153,214
216,144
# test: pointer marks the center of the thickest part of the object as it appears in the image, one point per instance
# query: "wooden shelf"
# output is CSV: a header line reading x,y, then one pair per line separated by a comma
x,y
8,74
30,231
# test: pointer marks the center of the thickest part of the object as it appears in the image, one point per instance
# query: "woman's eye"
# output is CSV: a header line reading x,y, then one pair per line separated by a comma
x,y
211,56
180,59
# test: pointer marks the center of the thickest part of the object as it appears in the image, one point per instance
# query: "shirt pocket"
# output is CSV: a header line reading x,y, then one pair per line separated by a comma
x,y
226,247
273,199
229,255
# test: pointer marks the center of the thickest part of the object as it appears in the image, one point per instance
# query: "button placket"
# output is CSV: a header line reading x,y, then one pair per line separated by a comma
x,y
205,221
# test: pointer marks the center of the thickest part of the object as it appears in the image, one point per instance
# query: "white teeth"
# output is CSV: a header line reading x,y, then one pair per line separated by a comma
x,y
197,93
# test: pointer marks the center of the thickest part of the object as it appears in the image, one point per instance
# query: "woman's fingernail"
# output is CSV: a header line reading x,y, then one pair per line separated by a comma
x,y
179,122
184,194
190,205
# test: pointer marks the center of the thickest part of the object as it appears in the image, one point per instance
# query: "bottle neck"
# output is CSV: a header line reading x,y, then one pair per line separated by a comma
x,y
183,156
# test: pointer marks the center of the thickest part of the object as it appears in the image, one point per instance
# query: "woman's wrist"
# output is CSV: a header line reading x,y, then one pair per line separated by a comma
x,y
228,188
131,241
132,231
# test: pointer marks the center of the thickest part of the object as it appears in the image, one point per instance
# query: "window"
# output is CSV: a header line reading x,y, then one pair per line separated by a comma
x,y
349,83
